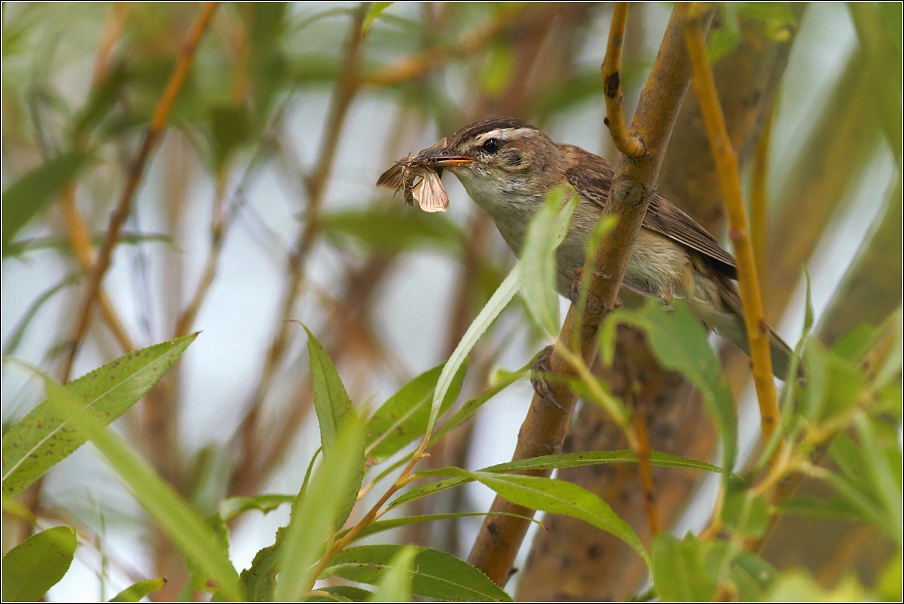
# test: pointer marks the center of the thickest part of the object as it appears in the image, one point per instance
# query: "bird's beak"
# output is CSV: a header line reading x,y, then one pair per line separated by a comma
x,y
442,158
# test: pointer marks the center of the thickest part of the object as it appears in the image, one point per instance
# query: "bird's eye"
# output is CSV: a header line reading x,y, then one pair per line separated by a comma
x,y
491,145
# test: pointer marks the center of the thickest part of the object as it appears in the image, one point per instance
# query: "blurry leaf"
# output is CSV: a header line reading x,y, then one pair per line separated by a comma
x,y
200,579
890,368
558,497
267,66
60,244
681,344
808,306
385,525
746,514
19,332
471,407
102,98
833,384
135,592
230,127
884,469
817,507
796,585
28,195
43,438
232,507
174,515
889,583
750,574
403,417
394,230
332,491
678,570
478,326
435,574
498,72
341,593
720,42
18,510
779,12
373,12
395,584
546,231
37,564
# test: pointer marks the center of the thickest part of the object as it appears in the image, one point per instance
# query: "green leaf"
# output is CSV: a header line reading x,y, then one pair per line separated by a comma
x,y
330,398
679,573
778,12
546,231
42,438
23,199
888,585
884,476
817,507
395,584
561,497
498,72
258,580
403,417
833,387
37,564
135,592
385,525
750,574
232,507
390,230
19,332
681,344
434,574
472,406
174,515
315,515
375,9
341,593
493,308
797,585
746,514
334,409
547,462
230,127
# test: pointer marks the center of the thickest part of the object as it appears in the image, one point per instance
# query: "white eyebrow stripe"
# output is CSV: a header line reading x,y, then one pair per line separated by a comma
x,y
506,134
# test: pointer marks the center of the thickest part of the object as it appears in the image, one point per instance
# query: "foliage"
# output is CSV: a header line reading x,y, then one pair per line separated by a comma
x,y
256,68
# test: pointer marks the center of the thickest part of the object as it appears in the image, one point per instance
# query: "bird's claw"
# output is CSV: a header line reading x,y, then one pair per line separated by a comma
x,y
541,367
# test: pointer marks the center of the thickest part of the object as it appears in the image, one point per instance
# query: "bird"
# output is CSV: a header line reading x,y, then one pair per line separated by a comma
x,y
508,166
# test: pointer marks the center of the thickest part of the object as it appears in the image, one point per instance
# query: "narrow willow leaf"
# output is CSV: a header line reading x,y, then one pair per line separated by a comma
x,y
330,398
23,199
314,516
884,476
341,593
232,507
259,580
434,574
375,9
750,574
746,514
546,231
135,592
385,525
681,344
42,438
472,406
392,231
547,462
817,507
493,308
18,332
403,417
679,573
395,584
174,515
562,497
334,409
37,564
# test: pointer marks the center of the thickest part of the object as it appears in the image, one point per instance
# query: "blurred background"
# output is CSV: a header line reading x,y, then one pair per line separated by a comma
x,y
259,207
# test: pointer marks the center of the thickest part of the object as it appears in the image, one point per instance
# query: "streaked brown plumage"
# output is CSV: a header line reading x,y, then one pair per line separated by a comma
x,y
508,166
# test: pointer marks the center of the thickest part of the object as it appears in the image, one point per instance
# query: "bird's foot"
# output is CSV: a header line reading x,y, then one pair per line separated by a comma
x,y
540,369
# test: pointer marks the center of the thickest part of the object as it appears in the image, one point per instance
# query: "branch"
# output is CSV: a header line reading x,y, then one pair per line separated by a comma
x,y
730,179
543,430
136,169
631,146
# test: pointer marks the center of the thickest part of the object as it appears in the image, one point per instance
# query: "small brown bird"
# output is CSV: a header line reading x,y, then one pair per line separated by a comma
x,y
508,166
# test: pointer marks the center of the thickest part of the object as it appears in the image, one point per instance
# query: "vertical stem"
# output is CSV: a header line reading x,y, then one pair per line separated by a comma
x,y
727,165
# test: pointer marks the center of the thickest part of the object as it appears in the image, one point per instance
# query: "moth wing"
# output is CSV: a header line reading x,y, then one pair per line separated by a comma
x,y
430,193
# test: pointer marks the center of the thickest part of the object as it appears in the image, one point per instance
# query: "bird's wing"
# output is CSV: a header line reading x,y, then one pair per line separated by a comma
x,y
593,179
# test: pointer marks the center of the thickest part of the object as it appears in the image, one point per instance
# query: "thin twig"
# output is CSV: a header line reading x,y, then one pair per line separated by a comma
x,y
759,198
630,146
135,172
727,165
543,430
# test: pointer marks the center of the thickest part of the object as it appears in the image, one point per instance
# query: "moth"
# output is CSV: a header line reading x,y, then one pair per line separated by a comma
x,y
417,181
